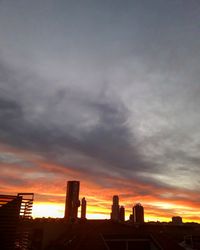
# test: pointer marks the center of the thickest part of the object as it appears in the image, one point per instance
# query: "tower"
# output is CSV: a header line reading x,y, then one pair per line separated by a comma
x,y
138,213
122,214
83,208
177,220
72,200
115,208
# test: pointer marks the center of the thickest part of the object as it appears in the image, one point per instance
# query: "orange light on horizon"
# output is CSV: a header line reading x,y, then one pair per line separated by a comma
x,y
56,210
47,209
50,190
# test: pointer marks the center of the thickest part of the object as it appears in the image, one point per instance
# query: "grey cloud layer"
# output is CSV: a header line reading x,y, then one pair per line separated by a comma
x,y
104,87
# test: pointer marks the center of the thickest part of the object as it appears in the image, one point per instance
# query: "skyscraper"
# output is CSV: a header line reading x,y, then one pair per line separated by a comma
x,y
115,208
83,208
72,200
122,213
138,213
177,220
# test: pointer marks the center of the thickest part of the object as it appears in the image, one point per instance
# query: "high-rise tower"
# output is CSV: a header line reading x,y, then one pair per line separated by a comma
x,y
72,200
83,208
138,213
115,208
122,213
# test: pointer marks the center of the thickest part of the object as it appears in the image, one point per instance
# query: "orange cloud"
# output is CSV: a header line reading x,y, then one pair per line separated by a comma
x,y
26,172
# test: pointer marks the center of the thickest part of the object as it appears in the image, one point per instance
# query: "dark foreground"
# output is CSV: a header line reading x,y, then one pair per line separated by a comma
x,y
52,234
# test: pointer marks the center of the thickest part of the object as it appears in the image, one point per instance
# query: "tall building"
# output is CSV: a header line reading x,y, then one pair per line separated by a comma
x,y
115,208
131,219
72,200
177,220
122,213
83,208
138,213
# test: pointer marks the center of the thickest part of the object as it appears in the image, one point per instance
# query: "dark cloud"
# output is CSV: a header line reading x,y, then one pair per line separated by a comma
x,y
70,127
111,91
108,141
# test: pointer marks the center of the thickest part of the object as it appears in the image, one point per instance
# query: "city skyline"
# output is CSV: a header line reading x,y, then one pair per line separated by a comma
x,y
19,230
73,202
105,92
76,208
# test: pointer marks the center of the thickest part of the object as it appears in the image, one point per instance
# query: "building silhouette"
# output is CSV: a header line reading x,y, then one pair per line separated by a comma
x,y
83,208
122,214
138,213
15,209
106,235
115,208
72,200
177,220
131,219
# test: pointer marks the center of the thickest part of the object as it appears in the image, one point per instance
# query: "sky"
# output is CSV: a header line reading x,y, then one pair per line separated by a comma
x,y
104,92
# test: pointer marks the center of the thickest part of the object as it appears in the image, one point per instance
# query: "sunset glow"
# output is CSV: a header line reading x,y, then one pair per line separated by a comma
x,y
105,93
50,196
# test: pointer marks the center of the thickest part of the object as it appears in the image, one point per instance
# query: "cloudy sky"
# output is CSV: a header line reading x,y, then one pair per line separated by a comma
x,y
106,92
